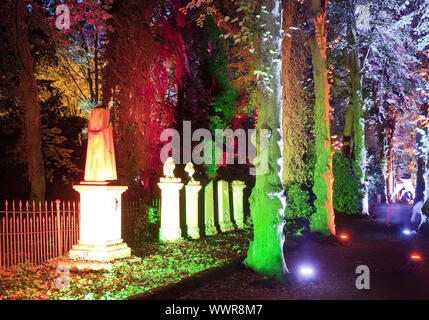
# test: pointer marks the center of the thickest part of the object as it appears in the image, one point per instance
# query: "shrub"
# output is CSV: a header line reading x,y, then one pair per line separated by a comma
x,y
347,187
154,214
145,226
296,228
298,202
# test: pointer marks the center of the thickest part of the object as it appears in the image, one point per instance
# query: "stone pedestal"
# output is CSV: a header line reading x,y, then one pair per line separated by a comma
x,y
192,190
237,201
209,210
223,206
170,209
100,223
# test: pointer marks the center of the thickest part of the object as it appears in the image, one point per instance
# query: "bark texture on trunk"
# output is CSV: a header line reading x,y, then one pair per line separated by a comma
x,y
359,149
294,114
29,100
323,219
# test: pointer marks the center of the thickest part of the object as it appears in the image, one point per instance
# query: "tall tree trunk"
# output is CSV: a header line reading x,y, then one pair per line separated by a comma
x,y
389,154
88,69
359,149
294,117
347,134
421,166
96,76
289,140
426,179
389,179
380,157
267,202
421,175
29,100
323,219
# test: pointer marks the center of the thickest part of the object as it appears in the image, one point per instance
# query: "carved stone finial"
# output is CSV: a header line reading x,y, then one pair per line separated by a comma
x,y
190,170
169,167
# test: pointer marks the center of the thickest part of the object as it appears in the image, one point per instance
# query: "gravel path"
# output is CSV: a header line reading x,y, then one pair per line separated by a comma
x,y
384,250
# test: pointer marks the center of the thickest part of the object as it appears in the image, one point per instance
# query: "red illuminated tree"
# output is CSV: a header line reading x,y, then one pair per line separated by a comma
x,y
146,60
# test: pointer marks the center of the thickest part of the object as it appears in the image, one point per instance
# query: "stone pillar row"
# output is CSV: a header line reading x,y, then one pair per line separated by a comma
x,y
170,213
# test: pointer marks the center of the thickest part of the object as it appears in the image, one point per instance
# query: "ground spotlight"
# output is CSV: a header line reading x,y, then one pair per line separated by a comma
x,y
406,231
306,271
416,257
344,236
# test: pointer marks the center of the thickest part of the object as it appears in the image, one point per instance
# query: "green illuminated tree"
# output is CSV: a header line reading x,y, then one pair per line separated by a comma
x,y
265,254
260,32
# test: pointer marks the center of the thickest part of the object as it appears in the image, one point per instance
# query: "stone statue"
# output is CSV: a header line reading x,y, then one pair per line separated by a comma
x,y
169,168
189,169
100,159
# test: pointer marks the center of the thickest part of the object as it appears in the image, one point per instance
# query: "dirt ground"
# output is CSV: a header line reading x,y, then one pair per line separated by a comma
x,y
385,250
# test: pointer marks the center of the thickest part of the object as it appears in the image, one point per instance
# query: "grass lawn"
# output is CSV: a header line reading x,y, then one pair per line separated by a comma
x,y
157,265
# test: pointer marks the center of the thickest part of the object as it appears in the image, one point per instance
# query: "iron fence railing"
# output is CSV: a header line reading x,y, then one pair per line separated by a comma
x,y
33,232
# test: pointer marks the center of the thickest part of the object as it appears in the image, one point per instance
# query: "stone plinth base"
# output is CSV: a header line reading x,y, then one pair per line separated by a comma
x,y
100,223
226,226
67,262
170,234
103,252
211,231
194,232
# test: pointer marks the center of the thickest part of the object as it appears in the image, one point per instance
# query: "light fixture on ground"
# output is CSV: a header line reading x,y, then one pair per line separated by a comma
x,y
306,272
344,237
406,232
416,257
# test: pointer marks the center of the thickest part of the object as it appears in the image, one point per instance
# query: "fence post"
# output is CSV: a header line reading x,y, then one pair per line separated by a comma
x,y
60,240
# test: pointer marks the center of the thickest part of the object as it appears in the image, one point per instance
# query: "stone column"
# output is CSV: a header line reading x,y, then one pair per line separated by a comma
x,y
223,206
192,190
209,210
237,198
170,209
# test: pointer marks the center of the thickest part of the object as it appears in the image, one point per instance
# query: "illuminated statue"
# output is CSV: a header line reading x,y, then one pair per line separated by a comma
x,y
100,230
169,168
100,158
189,169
